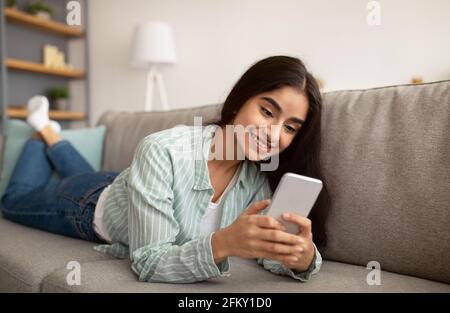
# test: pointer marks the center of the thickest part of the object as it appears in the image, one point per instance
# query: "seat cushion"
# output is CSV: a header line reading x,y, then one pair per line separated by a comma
x,y
246,276
28,255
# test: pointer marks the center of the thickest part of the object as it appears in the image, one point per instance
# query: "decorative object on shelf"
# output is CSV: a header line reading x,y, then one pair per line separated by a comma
x,y
153,45
12,4
40,9
58,97
54,58
416,80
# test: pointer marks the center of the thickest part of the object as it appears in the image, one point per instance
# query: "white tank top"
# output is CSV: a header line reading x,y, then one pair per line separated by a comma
x,y
213,215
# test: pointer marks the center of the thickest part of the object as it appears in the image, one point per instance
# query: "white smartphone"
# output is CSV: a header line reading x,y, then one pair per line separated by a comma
x,y
294,193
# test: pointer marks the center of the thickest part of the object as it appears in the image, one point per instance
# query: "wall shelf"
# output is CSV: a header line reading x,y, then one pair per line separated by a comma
x,y
61,29
22,65
22,70
20,112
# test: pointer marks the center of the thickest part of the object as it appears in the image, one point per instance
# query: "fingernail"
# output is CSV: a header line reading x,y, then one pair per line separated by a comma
x,y
286,215
300,240
299,249
294,258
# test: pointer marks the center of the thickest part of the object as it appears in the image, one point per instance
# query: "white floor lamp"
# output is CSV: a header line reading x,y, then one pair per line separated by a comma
x,y
153,46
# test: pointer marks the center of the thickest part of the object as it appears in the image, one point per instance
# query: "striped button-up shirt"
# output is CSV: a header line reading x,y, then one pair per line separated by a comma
x,y
154,208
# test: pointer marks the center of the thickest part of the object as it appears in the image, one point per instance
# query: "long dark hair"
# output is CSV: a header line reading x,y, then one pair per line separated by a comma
x,y
302,155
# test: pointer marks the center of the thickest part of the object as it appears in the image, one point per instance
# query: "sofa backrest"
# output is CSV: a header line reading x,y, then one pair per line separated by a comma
x,y
124,130
386,161
386,158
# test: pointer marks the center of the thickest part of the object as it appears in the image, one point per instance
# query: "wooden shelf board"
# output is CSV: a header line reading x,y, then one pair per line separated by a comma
x,y
20,17
22,65
21,112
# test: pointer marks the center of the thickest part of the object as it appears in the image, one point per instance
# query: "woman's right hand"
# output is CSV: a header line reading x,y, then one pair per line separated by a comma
x,y
256,236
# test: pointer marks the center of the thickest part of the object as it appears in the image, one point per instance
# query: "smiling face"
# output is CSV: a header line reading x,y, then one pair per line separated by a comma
x,y
271,120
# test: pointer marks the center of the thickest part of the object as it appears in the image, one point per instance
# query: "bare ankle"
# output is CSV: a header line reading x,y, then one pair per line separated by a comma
x,y
49,136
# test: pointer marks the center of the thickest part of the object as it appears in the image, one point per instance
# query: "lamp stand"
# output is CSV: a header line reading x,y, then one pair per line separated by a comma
x,y
153,76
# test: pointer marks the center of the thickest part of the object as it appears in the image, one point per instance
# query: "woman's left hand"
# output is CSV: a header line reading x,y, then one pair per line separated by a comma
x,y
306,256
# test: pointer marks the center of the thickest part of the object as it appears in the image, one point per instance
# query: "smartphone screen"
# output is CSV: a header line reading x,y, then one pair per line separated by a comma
x,y
297,194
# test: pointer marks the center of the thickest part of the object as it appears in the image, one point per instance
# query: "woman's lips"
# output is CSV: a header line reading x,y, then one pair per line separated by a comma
x,y
260,144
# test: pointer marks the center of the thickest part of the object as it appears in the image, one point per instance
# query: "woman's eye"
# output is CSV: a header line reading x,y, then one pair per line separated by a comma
x,y
266,112
290,129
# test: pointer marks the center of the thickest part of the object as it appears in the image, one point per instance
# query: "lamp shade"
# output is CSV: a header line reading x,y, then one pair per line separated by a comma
x,y
153,44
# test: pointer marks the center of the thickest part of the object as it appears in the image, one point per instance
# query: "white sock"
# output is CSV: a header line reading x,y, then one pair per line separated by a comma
x,y
38,112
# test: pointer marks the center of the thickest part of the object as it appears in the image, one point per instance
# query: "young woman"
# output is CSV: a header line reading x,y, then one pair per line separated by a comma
x,y
177,212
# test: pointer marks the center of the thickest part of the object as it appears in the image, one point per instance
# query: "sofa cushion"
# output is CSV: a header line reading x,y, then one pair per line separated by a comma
x,y
124,130
88,141
246,276
28,255
386,158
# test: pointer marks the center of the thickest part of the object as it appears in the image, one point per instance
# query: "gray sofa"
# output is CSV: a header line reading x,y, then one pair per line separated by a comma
x,y
386,157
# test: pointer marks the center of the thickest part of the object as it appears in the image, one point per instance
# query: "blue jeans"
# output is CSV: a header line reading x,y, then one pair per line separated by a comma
x,y
63,205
